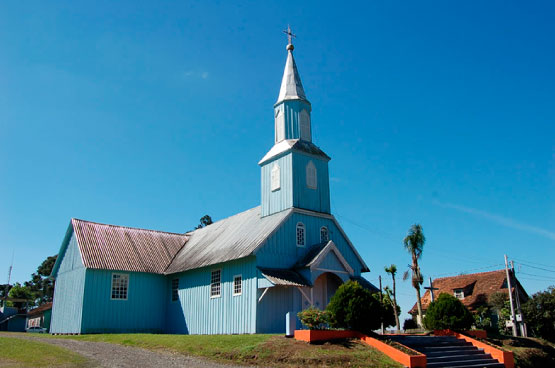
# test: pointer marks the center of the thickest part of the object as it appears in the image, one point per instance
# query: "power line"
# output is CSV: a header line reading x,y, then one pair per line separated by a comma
x,y
536,263
547,278
537,268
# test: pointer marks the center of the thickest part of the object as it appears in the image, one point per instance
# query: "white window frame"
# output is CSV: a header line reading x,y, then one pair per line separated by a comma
x,y
275,178
324,228
121,276
240,277
214,283
459,294
311,175
176,290
300,226
304,125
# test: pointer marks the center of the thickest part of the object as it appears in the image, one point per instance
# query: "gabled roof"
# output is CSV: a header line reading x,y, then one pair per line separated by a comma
x,y
232,238
318,252
41,309
294,145
477,287
123,248
291,86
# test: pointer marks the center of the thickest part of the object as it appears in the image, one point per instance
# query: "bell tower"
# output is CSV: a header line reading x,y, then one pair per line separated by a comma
x,y
294,173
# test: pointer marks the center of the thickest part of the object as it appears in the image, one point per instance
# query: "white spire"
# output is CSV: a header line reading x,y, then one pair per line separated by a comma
x,y
291,86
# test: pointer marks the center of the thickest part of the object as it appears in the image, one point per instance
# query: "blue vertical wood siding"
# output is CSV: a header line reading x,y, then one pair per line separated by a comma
x,y
197,313
281,251
281,199
291,110
67,308
143,311
308,198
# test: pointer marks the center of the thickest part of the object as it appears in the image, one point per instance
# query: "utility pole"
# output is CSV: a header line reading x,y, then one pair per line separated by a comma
x,y
431,288
522,325
513,317
381,301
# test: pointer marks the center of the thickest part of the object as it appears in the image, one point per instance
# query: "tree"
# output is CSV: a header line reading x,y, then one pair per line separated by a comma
x,y
539,314
389,310
414,244
19,291
41,285
204,221
353,307
447,312
392,270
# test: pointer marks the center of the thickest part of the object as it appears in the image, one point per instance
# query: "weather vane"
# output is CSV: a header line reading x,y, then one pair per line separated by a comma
x,y
290,36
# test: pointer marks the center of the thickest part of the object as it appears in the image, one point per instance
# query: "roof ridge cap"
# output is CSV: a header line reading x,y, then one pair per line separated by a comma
x,y
128,227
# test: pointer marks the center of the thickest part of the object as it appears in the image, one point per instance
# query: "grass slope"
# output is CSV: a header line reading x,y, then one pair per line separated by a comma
x,y
24,353
264,350
528,352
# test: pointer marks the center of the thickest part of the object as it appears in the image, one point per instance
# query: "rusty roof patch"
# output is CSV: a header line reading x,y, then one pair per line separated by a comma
x,y
123,248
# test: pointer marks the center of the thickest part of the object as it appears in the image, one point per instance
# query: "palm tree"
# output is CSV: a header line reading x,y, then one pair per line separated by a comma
x,y
392,270
414,244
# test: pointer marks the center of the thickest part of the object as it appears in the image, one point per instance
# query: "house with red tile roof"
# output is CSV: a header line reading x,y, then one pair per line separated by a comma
x,y
473,290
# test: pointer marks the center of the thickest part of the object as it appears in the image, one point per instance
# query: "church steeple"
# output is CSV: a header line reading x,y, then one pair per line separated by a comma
x,y
292,109
295,171
291,86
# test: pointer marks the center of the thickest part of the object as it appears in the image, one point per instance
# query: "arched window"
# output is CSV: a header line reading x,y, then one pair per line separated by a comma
x,y
311,176
275,183
300,234
324,235
280,126
304,122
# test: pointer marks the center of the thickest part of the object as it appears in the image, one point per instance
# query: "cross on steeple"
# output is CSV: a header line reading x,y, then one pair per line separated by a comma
x,y
290,36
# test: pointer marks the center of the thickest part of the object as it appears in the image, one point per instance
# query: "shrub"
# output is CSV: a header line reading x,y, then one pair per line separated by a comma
x,y
410,324
539,313
447,312
314,318
353,307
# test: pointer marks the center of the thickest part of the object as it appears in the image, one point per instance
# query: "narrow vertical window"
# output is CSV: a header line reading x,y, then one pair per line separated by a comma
x,y
216,283
311,176
120,283
275,178
175,290
324,236
300,235
280,126
304,122
237,285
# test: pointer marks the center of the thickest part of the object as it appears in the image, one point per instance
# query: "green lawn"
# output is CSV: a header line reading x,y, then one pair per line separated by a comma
x,y
24,353
264,350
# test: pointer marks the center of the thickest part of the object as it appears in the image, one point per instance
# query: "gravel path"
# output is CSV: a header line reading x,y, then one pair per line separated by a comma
x,y
117,356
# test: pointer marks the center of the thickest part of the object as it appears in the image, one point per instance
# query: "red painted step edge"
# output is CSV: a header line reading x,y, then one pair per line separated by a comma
x,y
505,357
411,361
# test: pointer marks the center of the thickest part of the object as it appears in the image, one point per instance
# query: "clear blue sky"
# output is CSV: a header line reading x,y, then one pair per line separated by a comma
x,y
154,114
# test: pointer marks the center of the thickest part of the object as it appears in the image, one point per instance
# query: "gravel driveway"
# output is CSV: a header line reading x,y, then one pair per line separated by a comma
x,y
111,355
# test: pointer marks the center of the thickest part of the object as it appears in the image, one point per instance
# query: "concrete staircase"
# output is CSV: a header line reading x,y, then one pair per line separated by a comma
x,y
448,351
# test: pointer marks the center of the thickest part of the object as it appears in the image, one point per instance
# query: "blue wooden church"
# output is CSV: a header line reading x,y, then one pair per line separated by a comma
x,y
239,275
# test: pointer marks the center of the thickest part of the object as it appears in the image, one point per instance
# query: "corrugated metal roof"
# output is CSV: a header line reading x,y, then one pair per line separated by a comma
x,y
284,277
235,237
122,248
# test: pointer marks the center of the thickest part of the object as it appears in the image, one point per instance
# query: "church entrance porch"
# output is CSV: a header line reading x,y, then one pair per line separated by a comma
x,y
324,288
